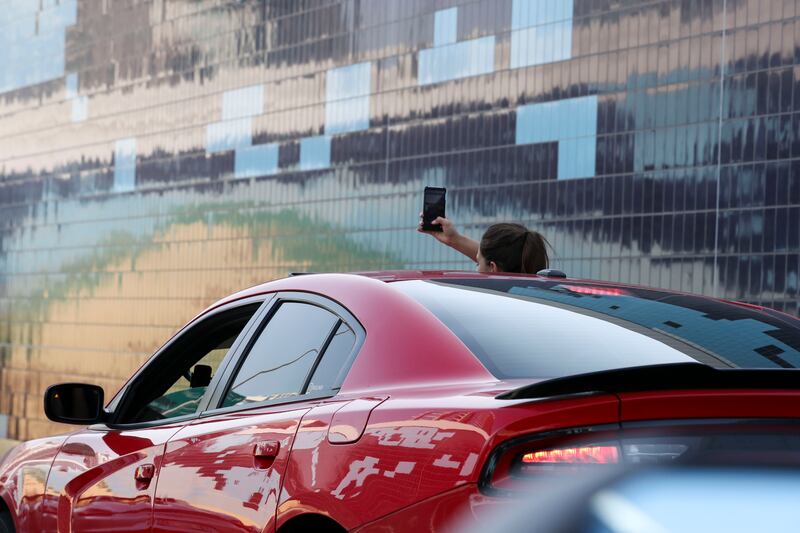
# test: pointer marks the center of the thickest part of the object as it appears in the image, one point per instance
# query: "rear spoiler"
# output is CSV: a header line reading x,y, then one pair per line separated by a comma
x,y
673,376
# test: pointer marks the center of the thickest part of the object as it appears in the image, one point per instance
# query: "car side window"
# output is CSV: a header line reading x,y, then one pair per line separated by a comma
x,y
177,380
183,397
281,359
336,360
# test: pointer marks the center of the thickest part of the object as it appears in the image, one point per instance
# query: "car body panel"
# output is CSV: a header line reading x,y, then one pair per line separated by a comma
x,y
211,477
437,513
93,476
301,492
415,448
23,481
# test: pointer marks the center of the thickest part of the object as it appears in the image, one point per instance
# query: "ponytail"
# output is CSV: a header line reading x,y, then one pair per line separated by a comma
x,y
534,253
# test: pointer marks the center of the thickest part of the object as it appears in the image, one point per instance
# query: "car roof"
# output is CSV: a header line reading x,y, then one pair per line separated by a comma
x,y
385,312
296,282
299,280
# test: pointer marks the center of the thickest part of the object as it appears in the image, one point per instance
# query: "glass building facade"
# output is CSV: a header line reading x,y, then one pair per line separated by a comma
x,y
158,154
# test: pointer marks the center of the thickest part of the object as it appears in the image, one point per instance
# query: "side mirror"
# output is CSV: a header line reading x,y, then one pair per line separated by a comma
x,y
74,403
201,376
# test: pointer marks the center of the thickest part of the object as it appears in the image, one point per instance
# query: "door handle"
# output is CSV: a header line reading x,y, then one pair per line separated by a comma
x,y
266,450
144,473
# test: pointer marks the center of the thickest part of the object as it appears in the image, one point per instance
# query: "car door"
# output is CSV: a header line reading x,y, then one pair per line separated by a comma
x,y
225,470
104,476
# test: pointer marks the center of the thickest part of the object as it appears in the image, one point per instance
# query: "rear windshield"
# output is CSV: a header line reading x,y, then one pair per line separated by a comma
x,y
544,329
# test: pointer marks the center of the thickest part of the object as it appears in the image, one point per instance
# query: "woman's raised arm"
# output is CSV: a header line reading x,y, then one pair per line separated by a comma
x,y
452,238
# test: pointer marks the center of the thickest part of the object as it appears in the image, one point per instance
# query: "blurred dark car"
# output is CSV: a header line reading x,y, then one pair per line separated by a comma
x,y
698,498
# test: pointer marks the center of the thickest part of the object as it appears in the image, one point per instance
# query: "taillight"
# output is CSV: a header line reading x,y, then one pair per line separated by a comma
x,y
564,459
629,451
571,456
515,463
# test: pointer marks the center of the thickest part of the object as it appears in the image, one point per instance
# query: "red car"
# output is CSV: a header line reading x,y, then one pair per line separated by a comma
x,y
394,401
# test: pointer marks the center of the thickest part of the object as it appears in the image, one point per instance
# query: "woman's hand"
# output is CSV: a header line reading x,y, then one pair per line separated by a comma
x,y
449,234
451,237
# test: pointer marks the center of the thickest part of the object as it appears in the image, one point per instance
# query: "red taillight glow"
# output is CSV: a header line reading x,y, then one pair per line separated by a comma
x,y
595,291
573,456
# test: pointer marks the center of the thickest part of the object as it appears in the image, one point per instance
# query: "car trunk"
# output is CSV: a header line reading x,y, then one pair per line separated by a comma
x,y
727,404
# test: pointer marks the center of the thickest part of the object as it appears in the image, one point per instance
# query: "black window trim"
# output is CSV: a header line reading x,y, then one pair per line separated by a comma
x,y
263,299
323,349
213,406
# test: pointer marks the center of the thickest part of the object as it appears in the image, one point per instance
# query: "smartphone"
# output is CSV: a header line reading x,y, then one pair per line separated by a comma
x,y
433,207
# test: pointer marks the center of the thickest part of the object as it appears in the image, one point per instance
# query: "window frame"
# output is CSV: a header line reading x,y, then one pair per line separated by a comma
x,y
188,334
228,374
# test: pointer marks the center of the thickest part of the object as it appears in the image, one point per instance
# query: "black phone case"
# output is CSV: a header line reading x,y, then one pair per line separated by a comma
x,y
432,210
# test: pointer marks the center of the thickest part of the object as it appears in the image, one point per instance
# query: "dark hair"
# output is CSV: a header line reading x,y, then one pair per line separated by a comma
x,y
515,248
